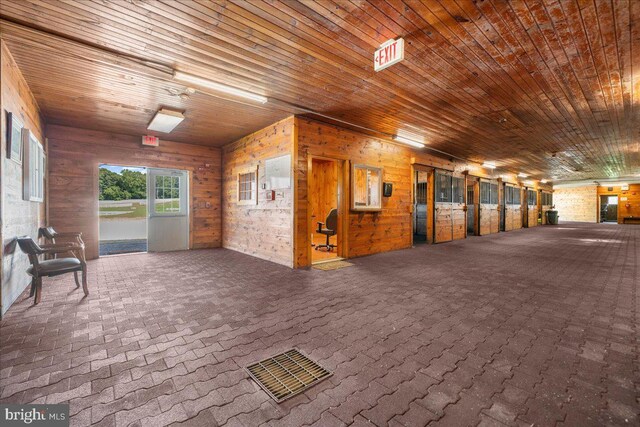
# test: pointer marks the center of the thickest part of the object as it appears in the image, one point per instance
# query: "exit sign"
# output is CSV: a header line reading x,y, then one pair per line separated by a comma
x,y
390,52
152,141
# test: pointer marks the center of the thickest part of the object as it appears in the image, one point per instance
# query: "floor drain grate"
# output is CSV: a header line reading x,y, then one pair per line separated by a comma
x,y
287,374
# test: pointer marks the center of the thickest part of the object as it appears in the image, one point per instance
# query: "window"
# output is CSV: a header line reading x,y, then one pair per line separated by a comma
x,y
443,187
485,192
248,188
517,198
508,195
33,167
547,199
366,188
532,197
458,190
494,194
167,195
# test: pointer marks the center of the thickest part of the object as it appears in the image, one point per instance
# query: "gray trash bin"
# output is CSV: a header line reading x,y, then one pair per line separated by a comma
x,y
552,217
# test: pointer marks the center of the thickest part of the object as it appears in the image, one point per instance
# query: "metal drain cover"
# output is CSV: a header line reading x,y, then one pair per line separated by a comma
x,y
287,374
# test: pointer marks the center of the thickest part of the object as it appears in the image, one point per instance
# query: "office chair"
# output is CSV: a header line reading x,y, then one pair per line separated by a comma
x,y
330,229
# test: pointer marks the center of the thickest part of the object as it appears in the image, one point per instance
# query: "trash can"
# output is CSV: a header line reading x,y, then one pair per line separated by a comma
x,y
552,217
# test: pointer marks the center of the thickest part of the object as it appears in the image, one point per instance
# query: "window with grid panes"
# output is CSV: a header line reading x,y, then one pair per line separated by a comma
x,y
247,187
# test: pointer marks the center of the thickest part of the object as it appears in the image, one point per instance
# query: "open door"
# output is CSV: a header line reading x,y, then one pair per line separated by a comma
x,y
168,223
420,206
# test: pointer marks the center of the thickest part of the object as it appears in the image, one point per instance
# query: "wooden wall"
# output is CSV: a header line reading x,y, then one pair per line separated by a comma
x,y
632,196
265,229
579,203
19,217
74,156
369,232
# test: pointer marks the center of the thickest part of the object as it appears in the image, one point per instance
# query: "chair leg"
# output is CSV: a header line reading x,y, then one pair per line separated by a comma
x,y
75,276
84,281
38,291
33,287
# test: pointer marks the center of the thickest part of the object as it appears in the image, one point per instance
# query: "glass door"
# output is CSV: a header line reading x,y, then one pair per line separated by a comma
x,y
168,222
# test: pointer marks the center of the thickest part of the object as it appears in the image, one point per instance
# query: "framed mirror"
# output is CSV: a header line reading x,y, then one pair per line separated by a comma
x,y
366,188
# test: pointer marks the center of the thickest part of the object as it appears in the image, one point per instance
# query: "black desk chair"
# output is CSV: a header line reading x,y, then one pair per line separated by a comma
x,y
330,229
52,267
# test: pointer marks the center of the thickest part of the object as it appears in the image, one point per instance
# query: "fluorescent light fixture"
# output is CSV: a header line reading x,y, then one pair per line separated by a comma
x,y
489,165
209,84
165,120
407,141
523,175
543,181
529,182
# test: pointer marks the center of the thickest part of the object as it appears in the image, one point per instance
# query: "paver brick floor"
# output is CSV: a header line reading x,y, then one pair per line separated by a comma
x,y
530,327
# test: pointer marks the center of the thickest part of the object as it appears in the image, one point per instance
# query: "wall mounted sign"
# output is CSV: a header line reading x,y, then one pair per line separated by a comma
x,y
278,172
151,141
389,53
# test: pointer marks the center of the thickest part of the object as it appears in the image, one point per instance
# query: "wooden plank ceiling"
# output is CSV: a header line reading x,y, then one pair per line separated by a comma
x,y
545,87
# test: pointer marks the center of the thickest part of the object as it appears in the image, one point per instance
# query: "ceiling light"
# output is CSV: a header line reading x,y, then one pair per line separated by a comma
x,y
165,120
489,165
408,141
543,181
522,175
209,84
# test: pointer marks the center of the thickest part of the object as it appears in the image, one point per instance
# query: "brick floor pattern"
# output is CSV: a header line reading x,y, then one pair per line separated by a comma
x,y
530,327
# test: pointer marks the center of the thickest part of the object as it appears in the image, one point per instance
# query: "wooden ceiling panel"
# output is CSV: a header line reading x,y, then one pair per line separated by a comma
x,y
546,87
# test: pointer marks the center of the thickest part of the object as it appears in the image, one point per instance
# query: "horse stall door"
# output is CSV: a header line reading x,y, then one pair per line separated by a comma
x,y
443,208
495,213
508,207
471,210
485,208
532,208
458,213
517,208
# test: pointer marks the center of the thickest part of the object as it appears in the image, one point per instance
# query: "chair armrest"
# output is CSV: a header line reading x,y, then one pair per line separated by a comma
x,y
320,224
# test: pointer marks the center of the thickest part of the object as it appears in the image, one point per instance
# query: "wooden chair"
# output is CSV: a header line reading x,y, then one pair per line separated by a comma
x,y
50,235
53,267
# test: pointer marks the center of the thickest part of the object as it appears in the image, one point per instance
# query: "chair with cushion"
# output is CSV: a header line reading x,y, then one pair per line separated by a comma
x,y
53,267
330,229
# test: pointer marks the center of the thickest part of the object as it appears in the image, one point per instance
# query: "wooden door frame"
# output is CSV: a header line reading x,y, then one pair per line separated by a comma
x,y
343,204
417,167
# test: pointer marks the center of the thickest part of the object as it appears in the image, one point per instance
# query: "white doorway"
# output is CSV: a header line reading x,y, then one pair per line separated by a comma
x,y
168,220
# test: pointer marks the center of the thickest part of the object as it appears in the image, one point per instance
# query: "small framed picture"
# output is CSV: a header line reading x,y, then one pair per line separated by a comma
x,y
14,138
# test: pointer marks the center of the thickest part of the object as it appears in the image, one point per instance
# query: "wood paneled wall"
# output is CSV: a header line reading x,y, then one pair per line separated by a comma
x,y
19,217
74,156
577,203
368,232
265,229
630,197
